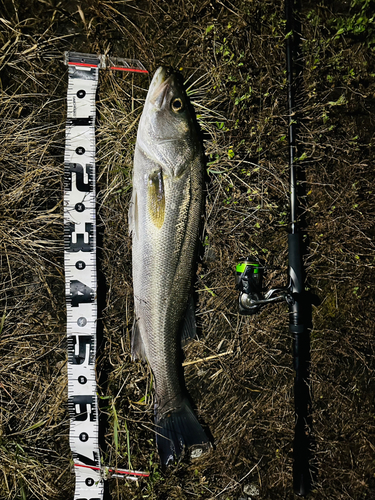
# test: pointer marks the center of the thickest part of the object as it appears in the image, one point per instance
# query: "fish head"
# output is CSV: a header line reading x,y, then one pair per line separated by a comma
x,y
168,131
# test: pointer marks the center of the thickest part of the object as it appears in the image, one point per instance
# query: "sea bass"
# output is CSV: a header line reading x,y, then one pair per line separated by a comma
x,y
164,219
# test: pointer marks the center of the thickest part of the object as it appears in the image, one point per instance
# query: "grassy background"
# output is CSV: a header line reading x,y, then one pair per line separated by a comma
x,y
232,56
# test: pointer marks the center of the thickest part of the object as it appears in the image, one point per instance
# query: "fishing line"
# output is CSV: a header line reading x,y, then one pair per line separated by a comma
x,y
81,271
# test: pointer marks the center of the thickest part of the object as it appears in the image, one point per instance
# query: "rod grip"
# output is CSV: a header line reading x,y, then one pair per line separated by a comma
x,y
302,401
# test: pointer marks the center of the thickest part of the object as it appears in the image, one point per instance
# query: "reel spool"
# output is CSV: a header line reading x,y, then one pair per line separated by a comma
x,y
249,281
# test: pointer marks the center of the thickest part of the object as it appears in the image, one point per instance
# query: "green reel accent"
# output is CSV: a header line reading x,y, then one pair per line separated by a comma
x,y
240,268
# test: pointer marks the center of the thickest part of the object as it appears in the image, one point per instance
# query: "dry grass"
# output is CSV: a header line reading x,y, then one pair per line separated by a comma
x,y
232,55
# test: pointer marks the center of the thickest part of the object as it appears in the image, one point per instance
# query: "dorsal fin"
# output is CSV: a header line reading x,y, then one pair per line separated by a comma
x,y
189,327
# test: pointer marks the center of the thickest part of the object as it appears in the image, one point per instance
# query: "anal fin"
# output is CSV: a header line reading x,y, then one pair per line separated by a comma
x,y
137,346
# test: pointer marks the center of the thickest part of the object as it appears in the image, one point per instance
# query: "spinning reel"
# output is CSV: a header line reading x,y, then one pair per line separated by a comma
x,y
249,282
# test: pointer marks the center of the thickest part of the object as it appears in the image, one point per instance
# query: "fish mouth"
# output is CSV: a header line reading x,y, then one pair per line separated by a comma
x,y
159,87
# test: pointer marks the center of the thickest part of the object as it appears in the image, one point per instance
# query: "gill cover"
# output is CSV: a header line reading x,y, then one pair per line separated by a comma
x,y
167,132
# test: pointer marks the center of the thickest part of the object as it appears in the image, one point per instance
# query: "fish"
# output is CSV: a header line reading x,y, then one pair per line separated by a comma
x,y
164,220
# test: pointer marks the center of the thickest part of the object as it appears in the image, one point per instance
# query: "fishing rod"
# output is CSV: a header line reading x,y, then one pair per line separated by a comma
x,y
249,275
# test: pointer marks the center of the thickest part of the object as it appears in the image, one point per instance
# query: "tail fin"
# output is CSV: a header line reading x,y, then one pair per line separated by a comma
x,y
179,431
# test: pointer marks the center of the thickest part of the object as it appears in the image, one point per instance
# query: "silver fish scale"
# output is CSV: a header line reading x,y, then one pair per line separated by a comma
x,y
162,269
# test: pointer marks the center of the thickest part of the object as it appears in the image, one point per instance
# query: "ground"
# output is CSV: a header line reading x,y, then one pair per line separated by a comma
x,y
232,56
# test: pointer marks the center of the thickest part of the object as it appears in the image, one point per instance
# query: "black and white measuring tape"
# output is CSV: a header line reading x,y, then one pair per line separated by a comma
x,y
80,269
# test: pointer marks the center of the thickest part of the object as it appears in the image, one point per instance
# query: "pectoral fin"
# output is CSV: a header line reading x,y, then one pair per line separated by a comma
x,y
156,198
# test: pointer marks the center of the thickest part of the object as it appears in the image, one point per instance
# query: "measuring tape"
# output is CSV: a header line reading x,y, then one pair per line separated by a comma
x,y
80,270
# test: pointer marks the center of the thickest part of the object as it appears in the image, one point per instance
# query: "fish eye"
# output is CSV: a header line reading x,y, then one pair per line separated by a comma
x,y
177,105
